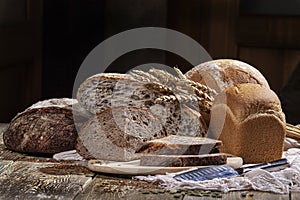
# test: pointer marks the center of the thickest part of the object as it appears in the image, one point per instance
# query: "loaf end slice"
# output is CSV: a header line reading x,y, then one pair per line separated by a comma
x,y
183,160
116,133
181,145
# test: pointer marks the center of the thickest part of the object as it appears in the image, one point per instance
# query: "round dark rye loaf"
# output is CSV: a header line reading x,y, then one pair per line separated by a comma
x,y
116,133
45,127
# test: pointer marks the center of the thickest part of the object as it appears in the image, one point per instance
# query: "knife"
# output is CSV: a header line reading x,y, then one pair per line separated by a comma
x,y
224,171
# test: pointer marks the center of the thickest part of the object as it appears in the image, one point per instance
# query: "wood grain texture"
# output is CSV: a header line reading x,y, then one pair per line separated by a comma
x,y
275,64
222,28
255,195
108,187
270,42
267,61
24,180
242,195
39,177
33,177
295,195
269,31
4,165
20,55
6,154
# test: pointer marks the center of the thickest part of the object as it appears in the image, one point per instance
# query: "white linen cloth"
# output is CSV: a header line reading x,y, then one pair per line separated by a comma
x,y
71,155
280,182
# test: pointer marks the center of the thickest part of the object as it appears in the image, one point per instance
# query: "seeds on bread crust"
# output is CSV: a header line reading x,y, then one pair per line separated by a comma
x,y
161,92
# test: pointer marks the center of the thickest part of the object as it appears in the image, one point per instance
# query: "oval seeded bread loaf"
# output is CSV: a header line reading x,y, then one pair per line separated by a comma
x,y
107,90
116,133
253,123
45,127
222,73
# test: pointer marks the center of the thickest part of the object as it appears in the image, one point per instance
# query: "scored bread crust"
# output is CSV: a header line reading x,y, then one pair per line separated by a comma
x,y
222,73
117,132
45,127
254,126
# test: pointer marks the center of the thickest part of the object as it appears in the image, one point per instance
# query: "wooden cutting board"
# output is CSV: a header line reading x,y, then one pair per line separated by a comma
x,y
134,167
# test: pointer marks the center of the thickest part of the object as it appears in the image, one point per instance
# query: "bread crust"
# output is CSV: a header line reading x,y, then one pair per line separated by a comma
x,y
183,160
106,90
45,127
222,73
248,99
117,132
181,145
254,125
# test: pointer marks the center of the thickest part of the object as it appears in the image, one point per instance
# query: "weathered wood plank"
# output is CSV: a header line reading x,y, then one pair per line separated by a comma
x,y
2,128
255,195
36,177
37,158
295,195
210,195
4,165
6,154
192,195
106,187
29,180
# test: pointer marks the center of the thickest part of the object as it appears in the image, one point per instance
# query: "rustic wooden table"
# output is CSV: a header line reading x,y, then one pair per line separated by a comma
x,y
40,177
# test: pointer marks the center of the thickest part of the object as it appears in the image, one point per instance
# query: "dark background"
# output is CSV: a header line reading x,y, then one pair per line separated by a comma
x,y
43,43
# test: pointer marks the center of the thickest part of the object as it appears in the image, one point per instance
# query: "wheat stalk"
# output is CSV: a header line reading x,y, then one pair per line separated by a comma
x,y
194,84
172,87
292,131
143,76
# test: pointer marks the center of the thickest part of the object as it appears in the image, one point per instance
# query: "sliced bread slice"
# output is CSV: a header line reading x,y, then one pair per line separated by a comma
x,y
116,133
181,145
183,160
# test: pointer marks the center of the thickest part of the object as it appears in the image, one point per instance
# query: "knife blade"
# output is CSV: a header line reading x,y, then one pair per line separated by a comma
x,y
225,171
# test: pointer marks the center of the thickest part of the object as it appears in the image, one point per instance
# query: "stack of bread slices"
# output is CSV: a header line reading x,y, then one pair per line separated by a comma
x,y
147,114
221,106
